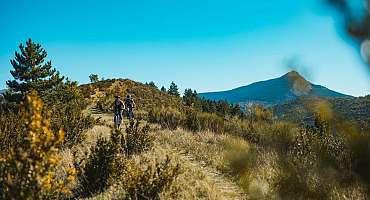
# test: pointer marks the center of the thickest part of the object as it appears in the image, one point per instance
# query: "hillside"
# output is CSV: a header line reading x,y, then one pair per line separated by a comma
x,y
270,92
146,97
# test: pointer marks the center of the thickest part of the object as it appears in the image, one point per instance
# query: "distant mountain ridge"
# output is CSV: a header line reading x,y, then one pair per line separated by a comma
x,y
274,91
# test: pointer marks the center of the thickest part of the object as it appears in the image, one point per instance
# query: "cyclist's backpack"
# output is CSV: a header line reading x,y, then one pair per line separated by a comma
x,y
118,106
129,103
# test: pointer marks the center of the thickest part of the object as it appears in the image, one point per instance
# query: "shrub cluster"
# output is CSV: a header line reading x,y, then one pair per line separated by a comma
x,y
28,169
149,183
12,126
136,139
169,118
67,104
94,170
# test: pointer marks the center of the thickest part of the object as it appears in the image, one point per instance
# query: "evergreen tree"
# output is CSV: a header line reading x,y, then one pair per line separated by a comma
x,y
163,89
173,90
31,71
190,97
94,78
152,84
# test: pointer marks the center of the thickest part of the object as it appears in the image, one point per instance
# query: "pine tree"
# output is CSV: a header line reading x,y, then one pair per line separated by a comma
x,y
190,97
163,89
152,84
173,90
31,71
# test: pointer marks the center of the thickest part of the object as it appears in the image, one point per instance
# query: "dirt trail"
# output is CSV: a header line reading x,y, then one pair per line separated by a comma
x,y
228,188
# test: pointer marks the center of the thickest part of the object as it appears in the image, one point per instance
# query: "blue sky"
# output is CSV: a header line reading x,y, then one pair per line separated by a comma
x,y
207,45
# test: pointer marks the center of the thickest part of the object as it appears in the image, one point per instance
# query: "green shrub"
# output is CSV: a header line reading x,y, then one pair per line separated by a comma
x,y
67,105
12,126
149,183
259,113
168,118
93,172
136,139
87,90
200,121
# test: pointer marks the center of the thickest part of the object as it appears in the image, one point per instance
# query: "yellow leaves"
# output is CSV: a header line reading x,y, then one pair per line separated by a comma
x,y
71,172
31,167
53,160
46,182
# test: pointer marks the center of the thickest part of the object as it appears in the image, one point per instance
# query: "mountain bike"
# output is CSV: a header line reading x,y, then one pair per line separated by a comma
x,y
130,113
117,119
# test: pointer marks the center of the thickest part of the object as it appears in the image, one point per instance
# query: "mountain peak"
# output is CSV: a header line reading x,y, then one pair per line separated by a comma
x,y
293,74
298,84
290,86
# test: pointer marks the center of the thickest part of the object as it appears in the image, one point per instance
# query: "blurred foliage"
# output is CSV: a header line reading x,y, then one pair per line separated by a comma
x,y
312,161
28,169
352,110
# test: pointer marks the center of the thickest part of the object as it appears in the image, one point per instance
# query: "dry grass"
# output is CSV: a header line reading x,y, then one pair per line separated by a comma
x,y
205,147
196,181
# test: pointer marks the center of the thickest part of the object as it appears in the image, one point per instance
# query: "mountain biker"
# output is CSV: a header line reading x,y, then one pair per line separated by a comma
x,y
118,106
130,105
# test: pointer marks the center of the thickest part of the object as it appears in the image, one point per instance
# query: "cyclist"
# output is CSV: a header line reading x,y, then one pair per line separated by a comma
x,y
118,106
130,105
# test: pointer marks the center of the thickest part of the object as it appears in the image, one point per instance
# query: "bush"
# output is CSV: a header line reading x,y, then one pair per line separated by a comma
x,y
67,105
168,118
87,90
149,183
136,140
259,113
93,175
279,135
200,121
12,126
28,169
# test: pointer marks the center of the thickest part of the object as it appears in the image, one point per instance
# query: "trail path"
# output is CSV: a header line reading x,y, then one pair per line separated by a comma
x,y
225,186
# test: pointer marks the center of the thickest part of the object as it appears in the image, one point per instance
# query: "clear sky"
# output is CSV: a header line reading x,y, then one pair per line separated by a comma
x,y
207,45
